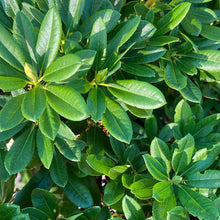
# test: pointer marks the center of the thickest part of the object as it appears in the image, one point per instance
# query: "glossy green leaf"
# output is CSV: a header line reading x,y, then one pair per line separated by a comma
x,y
45,149
117,171
21,152
210,179
10,51
65,132
142,188
163,40
35,214
156,169
8,211
58,170
49,122
33,104
25,35
49,38
62,68
96,103
45,201
139,112
106,15
71,149
67,102
138,70
147,55
137,93
203,159
113,192
174,77
191,92
11,7
100,163
116,121
77,192
132,209
191,25
8,84
4,175
173,18
98,42
162,191
196,204
177,213
160,151
7,70
160,209
10,115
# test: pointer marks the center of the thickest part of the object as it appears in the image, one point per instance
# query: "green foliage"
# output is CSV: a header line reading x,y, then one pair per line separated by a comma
x,y
109,109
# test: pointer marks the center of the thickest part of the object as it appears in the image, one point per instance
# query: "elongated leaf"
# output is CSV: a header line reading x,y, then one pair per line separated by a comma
x,y
58,170
96,103
62,68
210,179
45,149
183,154
24,33
160,209
155,168
4,175
49,38
162,190
191,25
21,152
35,213
49,122
98,42
197,204
203,159
132,209
146,55
67,102
45,201
8,71
65,132
8,84
160,151
191,92
33,104
107,15
139,112
163,40
172,18
113,192
11,7
10,115
71,149
10,51
8,211
77,192
100,163
117,122
174,77
210,32
126,31
137,93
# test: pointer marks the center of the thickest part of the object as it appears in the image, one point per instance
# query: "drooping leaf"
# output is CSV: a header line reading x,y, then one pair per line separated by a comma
x,y
132,209
21,152
33,104
196,204
67,102
49,38
137,93
62,68
10,115
49,122
96,103
58,170
116,121
45,149
45,201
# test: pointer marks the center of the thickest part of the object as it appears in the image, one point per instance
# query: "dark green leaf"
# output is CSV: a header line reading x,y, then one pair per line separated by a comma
x,y
35,214
4,175
8,211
